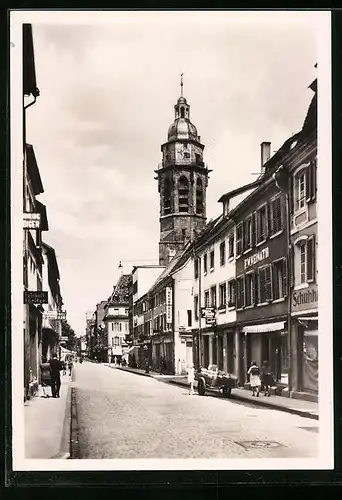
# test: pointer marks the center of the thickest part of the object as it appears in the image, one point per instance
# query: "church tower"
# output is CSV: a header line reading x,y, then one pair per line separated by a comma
x,y
182,182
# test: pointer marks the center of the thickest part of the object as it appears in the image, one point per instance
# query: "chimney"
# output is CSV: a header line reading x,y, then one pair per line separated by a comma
x,y
265,154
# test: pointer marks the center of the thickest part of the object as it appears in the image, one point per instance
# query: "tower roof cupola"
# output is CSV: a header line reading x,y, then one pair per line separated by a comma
x,y
182,128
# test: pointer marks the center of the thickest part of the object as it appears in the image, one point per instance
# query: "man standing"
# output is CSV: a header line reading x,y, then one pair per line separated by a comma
x,y
55,368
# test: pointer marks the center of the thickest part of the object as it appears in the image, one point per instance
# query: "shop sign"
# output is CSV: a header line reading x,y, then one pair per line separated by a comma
x,y
168,304
257,257
61,315
305,299
209,313
35,297
31,220
50,314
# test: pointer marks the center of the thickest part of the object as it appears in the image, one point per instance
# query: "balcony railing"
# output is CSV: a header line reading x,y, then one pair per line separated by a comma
x,y
183,162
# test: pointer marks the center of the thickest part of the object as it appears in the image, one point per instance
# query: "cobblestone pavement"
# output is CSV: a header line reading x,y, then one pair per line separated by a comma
x,y
122,415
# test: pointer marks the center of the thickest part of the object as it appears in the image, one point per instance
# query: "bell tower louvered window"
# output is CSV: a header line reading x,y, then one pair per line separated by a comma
x,y
199,197
183,194
167,197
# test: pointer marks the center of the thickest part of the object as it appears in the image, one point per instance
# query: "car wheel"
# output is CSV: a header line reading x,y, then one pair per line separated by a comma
x,y
201,388
227,391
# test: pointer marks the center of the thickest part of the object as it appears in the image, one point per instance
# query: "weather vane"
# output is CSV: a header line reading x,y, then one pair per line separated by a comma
x,y
181,84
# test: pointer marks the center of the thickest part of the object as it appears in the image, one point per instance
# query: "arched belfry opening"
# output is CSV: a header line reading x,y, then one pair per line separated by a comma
x,y
167,196
183,194
199,197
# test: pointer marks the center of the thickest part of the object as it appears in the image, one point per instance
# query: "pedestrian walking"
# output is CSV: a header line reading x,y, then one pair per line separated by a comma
x,y
70,366
55,372
254,378
266,378
45,376
191,379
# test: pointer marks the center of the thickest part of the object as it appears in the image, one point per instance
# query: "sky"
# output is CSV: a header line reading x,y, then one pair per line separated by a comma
x,y
107,96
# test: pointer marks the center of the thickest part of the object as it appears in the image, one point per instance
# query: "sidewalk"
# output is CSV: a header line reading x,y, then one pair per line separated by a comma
x,y
47,423
306,409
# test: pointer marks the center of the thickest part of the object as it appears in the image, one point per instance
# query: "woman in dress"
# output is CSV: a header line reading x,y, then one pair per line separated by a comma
x,y
254,378
191,379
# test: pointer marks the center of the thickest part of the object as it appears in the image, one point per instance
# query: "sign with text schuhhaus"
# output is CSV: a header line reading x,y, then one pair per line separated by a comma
x,y
31,220
305,299
35,297
168,304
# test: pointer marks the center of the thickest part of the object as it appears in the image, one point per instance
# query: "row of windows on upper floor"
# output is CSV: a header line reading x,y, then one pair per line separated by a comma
x,y
119,326
157,300
267,221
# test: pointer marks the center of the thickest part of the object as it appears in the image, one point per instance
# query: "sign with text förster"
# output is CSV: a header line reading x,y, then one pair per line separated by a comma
x,y
168,304
35,297
31,220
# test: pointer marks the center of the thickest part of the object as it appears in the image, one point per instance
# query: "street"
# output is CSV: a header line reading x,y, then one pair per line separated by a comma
x,y
124,415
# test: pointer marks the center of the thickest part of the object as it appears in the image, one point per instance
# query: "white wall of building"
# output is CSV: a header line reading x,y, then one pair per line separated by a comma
x,y
145,277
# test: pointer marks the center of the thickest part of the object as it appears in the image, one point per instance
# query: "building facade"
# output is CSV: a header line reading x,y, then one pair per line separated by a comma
x,y
116,318
182,182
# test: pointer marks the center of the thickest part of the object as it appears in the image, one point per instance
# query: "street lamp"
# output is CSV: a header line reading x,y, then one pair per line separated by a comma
x,y
281,177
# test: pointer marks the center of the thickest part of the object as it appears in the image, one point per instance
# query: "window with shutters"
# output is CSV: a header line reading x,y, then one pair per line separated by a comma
x,y
279,274
196,306
247,234
310,271
299,186
254,229
213,302
265,284
239,238
249,289
206,299
212,260
231,246
231,293
276,215
261,226
223,296
311,181
240,292
196,268
222,253
205,263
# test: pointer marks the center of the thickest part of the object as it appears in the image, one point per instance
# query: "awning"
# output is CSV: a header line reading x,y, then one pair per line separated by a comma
x,y
307,318
267,327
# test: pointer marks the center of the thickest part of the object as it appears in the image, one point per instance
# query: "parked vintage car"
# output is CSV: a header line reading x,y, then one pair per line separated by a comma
x,y
213,378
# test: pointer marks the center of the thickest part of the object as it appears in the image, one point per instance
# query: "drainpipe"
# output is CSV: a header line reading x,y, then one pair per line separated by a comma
x,y
281,177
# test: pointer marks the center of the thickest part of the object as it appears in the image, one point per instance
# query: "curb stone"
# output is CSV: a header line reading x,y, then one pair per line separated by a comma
x,y
64,452
261,403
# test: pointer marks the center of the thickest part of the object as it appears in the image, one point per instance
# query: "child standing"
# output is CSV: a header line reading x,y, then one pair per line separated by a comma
x,y
254,378
191,379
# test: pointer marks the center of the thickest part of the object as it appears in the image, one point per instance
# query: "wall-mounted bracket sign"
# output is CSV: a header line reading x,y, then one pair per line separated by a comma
x,y
61,314
35,297
209,313
31,220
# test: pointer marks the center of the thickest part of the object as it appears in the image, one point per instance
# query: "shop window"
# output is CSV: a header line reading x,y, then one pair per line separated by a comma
x,y
261,229
206,299
231,246
239,238
205,263
196,268
196,306
213,301
231,293
222,253
240,292
265,284
167,197
276,216
183,194
212,260
279,274
223,295
247,234
249,289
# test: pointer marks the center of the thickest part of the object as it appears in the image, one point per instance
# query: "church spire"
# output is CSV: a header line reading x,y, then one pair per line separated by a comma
x,y
181,84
